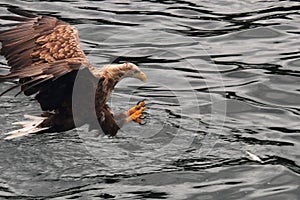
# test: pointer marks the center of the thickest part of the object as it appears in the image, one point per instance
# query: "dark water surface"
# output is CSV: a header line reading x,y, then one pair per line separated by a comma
x,y
223,81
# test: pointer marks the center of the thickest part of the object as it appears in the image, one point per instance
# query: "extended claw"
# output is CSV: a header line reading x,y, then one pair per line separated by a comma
x,y
144,118
137,112
140,104
137,115
142,101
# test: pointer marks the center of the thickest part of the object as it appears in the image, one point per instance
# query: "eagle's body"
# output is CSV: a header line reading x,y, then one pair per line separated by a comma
x,y
44,53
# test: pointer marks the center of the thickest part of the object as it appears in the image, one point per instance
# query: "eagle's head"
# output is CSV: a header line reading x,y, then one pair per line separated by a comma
x,y
120,71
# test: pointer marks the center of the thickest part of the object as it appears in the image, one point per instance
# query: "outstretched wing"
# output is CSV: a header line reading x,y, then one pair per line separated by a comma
x,y
43,53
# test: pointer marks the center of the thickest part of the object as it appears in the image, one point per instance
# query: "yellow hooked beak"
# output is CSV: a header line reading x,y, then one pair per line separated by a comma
x,y
141,76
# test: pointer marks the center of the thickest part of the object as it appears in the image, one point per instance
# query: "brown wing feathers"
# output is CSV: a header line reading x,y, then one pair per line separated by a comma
x,y
40,48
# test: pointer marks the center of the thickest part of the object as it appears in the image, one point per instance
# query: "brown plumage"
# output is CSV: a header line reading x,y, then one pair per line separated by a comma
x,y
44,53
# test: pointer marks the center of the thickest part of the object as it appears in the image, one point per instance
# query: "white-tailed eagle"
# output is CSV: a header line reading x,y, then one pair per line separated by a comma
x,y
44,54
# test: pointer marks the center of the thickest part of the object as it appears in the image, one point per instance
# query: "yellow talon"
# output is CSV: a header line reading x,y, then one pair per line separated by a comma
x,y
136,108
136,113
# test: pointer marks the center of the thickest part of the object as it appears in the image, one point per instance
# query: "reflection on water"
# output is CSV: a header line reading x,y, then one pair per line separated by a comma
x,y
223,81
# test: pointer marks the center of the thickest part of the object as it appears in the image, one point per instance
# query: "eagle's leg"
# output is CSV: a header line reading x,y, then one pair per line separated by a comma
x,y
110,123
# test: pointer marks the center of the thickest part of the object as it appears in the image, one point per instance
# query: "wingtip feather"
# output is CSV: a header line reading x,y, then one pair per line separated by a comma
x,y
19,11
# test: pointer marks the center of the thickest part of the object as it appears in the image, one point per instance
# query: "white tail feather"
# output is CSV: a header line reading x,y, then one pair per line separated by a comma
x,y
29,127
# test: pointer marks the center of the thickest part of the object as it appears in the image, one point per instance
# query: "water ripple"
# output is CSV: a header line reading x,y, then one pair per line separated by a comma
x,y
223,81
